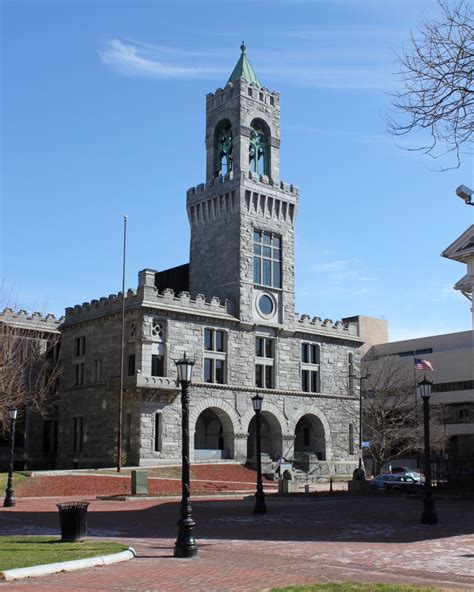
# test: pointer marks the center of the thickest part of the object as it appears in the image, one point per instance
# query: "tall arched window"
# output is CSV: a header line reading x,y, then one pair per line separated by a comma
x,y
223,148
259,153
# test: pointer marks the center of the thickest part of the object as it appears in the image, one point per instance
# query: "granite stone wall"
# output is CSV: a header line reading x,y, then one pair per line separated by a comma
x,y
177,332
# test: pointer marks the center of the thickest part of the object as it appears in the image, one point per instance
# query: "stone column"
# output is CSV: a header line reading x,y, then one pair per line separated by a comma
x,y
240,446
288,445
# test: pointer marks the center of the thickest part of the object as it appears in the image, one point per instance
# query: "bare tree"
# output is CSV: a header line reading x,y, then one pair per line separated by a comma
x,y
436,75
392,415
29,370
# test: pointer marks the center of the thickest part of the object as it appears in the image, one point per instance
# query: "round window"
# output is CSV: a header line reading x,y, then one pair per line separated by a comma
x,y
265,304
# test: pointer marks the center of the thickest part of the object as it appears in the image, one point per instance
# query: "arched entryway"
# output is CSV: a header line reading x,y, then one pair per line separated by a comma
x,y
213,435
310,437
271,436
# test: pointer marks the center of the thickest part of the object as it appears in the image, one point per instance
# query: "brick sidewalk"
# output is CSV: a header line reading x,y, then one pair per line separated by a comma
x,y
299,541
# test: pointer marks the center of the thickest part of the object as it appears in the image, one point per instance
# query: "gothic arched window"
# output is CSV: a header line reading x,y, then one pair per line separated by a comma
x,y
259,153
223,148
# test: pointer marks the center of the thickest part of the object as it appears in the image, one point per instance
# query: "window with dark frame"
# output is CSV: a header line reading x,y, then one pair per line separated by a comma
x,y
78,434
79,374
214,356
214,340
157,365
351,438
264,365
264,347
96,371
131,364
266,259
310,367
158,432
80,346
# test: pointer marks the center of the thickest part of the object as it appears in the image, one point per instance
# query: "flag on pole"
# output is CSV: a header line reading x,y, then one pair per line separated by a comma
x,y
423,364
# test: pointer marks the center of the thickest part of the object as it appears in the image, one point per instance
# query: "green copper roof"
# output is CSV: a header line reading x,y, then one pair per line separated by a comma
x,y
243,69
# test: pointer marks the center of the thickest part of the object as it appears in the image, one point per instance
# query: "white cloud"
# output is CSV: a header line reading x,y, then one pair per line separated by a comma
x,y
141,59
311,69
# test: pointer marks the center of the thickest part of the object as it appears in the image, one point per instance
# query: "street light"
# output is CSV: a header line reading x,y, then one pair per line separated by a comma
x,y
360,414
185,545
260,507
465,194
9,500
429,513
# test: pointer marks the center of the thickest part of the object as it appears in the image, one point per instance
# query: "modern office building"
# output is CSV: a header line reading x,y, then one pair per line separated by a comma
x,y
452,358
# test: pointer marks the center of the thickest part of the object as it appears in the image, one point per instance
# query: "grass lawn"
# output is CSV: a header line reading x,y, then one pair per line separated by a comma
x,y
355,587
24,551
18,479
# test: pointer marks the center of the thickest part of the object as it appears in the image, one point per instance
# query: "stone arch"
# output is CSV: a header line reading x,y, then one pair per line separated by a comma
x,y
308,411
260,147
274,427
215,424
310,437
212,402
270,434
223,148
271,408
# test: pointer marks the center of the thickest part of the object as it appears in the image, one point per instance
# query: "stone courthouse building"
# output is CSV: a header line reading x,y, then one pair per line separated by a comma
x,y
232,309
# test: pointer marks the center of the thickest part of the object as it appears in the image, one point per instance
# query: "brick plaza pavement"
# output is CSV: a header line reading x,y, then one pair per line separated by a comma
x,y
300,540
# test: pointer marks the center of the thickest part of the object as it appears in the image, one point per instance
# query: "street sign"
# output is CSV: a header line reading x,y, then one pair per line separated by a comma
x,y
365,444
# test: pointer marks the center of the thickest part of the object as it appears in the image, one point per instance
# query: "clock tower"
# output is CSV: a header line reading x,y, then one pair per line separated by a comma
x,y
242,219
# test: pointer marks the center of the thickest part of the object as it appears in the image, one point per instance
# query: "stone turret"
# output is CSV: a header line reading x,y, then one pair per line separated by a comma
x,y
242,219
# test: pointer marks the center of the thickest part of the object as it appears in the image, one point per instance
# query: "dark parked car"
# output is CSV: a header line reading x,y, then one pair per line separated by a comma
x,y
395,483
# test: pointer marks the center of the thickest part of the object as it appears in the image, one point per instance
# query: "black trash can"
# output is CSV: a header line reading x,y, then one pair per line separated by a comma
x,y
73,520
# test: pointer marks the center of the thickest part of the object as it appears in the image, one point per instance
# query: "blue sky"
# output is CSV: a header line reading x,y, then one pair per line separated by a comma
x,y
103,113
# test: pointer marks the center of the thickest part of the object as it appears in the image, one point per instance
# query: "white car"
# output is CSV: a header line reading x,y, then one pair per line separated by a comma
x,y
416,475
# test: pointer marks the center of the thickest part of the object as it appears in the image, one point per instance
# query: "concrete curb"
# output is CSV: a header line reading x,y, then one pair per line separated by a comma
x,y
51,568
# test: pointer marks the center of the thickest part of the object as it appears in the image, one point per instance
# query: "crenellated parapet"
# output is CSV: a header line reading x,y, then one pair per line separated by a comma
x,y
185,302
220,197
221,183
106,305
245,89
339,328
35,321
147,295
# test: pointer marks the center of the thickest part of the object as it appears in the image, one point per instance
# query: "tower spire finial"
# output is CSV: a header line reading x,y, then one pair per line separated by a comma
x,y
243,69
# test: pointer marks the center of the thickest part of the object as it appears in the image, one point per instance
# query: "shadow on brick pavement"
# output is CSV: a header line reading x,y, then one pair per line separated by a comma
x,y
300,540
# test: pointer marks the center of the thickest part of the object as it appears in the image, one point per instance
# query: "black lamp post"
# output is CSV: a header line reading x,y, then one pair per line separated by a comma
x,y
429,513
361,378
9,500
360,418
260,507
185,545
